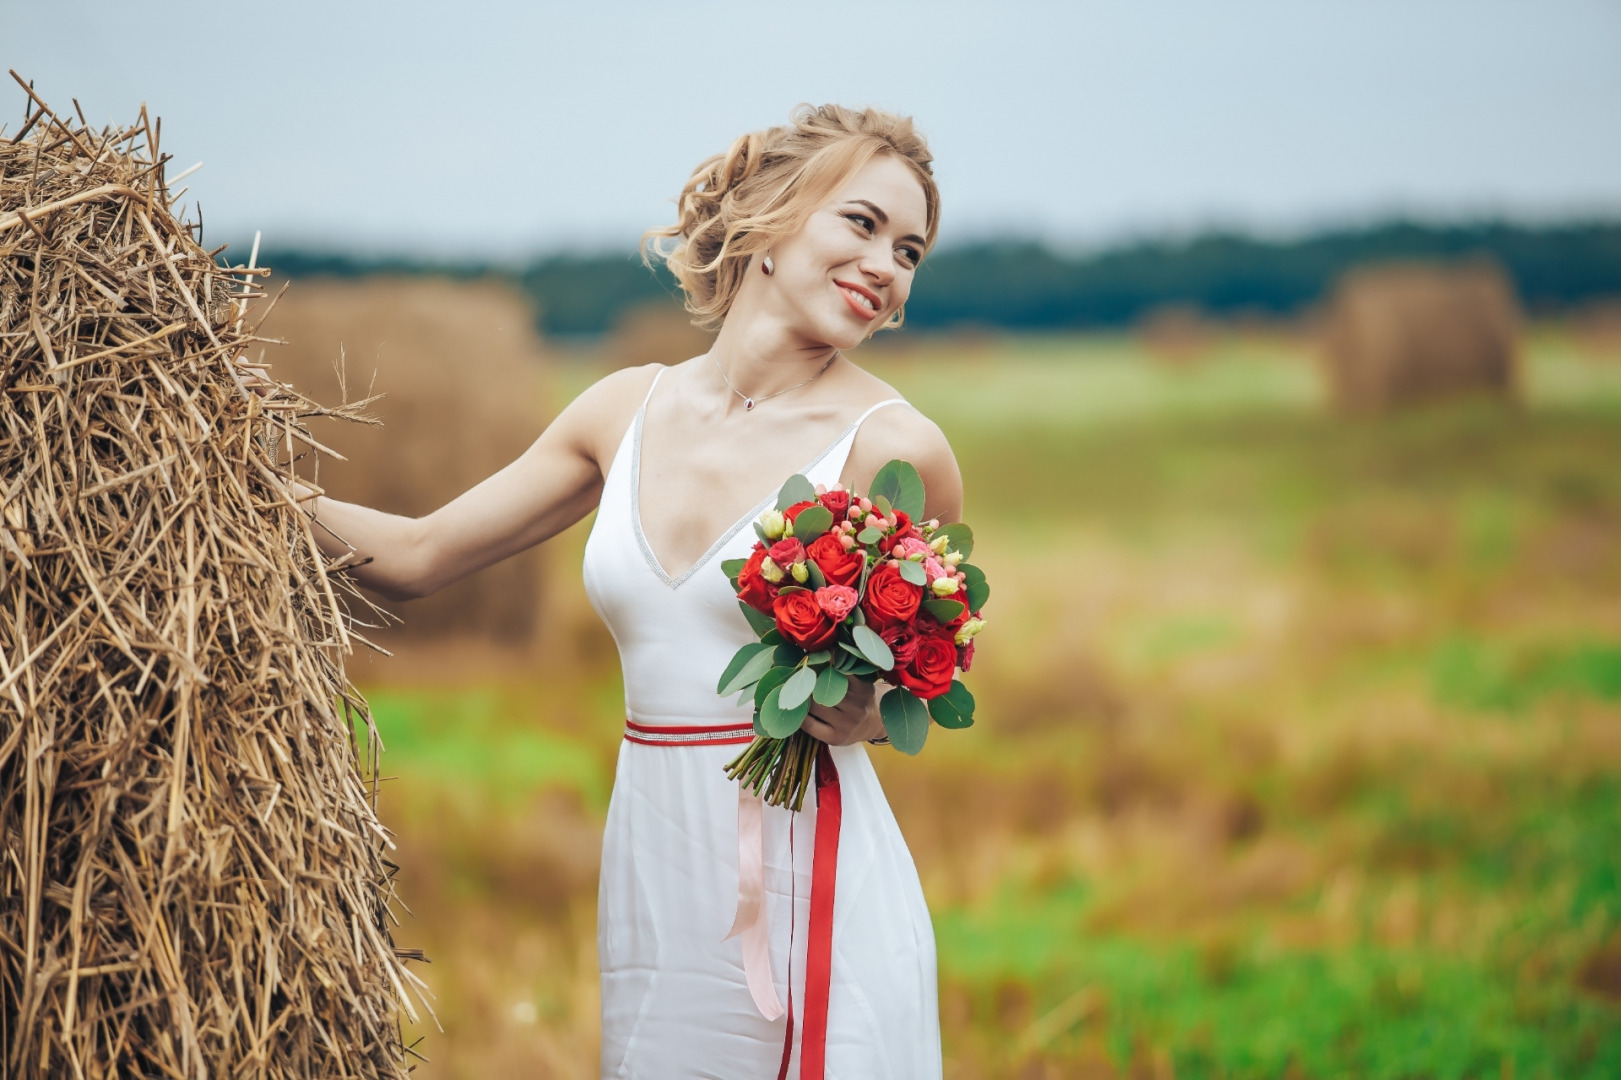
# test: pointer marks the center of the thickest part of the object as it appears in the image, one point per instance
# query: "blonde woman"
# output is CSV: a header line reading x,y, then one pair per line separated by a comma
x,y
797,243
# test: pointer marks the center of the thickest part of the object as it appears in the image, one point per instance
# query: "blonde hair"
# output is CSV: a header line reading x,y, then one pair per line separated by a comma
x,y
764,188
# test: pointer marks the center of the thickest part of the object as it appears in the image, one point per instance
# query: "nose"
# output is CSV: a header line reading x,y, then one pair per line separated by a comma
x,y
878,264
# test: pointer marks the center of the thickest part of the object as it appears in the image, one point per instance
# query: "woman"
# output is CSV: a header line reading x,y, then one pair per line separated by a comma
x,y
798,243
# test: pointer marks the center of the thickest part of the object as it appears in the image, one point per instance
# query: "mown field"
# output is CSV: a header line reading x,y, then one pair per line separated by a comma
x,y
1299,752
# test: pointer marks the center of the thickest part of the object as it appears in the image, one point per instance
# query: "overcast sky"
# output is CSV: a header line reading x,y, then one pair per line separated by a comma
x,y
476,128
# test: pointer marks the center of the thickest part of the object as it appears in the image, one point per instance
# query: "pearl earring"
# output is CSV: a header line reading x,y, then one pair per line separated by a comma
x,y
767,266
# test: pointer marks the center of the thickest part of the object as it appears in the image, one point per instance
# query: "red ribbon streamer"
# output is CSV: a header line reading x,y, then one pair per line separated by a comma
x,y
819,949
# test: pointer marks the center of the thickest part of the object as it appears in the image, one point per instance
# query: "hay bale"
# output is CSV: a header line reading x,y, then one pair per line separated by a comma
x,y
657,333
1404,333
458,366
1177,334
193,879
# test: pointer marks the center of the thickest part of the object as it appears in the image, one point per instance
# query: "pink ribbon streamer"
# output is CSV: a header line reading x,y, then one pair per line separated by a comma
x,y
751,922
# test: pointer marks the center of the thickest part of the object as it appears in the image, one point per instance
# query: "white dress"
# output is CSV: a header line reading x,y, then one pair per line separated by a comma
x,y
675,999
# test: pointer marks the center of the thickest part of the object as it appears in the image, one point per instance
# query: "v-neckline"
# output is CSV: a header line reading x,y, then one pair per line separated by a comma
x,y
737,526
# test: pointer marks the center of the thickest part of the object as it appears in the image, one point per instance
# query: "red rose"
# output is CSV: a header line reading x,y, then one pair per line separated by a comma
x,y
787,551
891,599
837,503
793,511
902,641
932,667
753,589
965,655
840,567
928,626
802,621
903,529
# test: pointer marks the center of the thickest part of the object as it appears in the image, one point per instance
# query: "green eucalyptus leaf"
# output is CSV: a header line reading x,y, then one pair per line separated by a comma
x,y
759,728
817,579
796,490
899,482
979,590
797,689
732,567
882,505
778,720
954,708
906,719
747,665
913,572
759,621
872,647
959,538
789,655
861,669
820,656
942,610
772,636
831,686
869,536
812,522
769,682
760,532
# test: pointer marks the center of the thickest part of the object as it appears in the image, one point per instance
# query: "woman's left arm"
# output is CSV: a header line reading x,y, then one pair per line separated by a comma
x,y
906,434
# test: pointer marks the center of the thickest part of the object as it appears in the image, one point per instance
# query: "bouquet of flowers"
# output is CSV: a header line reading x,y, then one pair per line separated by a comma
x,y
839,586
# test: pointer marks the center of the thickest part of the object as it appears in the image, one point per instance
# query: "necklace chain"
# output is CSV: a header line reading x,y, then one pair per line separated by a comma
x,y
750,402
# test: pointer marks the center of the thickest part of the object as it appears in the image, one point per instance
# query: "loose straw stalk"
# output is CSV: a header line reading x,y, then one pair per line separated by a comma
x,y
194,882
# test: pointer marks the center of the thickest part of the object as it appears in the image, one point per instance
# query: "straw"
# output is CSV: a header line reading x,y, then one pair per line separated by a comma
x,y
194,881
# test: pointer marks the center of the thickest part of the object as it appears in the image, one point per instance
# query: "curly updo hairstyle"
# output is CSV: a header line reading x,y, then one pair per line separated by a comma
x,y
765,187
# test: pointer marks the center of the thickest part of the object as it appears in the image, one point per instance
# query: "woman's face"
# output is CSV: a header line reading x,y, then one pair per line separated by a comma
x,y
847,271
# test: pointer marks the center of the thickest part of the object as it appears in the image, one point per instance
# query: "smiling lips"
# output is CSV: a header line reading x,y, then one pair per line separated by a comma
x,y
864,302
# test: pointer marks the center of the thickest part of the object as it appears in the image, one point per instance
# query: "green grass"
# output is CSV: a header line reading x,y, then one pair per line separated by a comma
x,y
1300,739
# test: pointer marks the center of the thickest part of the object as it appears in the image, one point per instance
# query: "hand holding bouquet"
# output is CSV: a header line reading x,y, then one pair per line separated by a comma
x,y
839,587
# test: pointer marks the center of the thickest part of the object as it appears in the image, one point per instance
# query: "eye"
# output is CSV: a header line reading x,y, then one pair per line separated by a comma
x,y
912,254
861,219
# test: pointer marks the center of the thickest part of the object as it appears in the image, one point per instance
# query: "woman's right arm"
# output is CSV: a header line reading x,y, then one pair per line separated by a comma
x,y
552,485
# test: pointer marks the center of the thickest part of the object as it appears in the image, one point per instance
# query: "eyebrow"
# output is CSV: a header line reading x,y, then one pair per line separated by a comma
x,y
883,218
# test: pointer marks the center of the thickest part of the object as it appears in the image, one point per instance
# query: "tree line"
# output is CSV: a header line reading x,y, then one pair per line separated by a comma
x,y
1023,285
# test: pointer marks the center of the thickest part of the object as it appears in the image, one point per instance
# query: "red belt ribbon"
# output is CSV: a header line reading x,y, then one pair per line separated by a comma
x,y
750,921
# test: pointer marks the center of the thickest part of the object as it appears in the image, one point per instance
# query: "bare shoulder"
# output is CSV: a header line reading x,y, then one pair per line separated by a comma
x,y
596,421
900,431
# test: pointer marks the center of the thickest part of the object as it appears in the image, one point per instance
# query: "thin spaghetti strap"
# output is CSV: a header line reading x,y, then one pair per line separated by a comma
x,y
863,417
657,375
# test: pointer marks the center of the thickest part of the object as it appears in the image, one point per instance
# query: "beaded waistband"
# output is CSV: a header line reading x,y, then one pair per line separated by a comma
x,y
688,735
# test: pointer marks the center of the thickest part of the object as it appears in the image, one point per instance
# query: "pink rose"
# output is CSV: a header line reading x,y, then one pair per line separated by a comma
x,y
786,552
910,546
934,569
836,601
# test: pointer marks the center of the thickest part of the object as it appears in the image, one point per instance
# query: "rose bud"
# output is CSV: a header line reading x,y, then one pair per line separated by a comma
x,y
968,630
770,571
938,544
836,500
952,558
787,551
772,523
799,573
943,586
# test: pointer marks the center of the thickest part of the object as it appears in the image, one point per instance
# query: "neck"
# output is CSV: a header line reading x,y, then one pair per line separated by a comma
x,y
759,360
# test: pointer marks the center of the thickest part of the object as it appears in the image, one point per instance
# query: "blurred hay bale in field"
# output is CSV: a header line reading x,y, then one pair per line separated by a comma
x,y
1403,333
1596,326
1176,333
659,333
462,371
